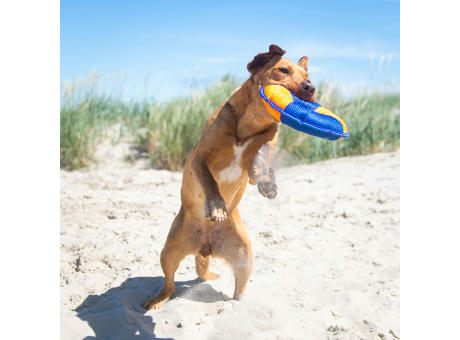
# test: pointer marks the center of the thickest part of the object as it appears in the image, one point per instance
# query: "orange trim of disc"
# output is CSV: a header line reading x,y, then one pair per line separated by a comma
x,y
275,113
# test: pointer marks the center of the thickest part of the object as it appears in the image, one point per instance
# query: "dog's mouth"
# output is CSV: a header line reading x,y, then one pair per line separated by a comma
x,y
308,97
302,93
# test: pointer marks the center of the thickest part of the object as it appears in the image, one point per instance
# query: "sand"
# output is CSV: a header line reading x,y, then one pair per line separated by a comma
x,y
326,255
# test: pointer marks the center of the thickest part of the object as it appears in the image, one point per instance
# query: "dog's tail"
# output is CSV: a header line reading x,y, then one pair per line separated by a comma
x,y
202,264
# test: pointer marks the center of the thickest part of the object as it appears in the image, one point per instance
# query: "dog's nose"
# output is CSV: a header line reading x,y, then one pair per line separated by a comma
x,y
308,87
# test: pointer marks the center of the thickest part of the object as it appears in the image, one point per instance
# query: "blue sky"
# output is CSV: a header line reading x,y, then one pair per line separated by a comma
x,y
166,48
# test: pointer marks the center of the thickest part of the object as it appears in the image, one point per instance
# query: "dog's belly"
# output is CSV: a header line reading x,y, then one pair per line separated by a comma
x,y
228,171
234,171
232,179
206,239
230,174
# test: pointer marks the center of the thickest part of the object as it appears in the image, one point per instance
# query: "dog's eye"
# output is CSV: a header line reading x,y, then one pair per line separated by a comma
x,y
284,70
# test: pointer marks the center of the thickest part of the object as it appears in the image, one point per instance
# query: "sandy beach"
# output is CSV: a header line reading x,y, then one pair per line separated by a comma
x,y
326,255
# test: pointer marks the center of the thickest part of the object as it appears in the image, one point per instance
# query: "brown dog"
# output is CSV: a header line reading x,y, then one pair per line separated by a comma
x,y
217,170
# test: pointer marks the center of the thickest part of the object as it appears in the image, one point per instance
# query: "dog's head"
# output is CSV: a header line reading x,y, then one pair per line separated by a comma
x,y
270,68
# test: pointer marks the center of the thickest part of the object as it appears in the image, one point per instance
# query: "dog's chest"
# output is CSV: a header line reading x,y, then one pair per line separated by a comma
x,y
234,170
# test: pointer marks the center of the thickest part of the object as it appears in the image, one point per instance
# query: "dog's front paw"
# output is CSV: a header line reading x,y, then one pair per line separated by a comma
x,y
215,209
268,189
266,184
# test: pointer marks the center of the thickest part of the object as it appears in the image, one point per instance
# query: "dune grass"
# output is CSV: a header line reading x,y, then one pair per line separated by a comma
x,y
166,131
175,126
85,117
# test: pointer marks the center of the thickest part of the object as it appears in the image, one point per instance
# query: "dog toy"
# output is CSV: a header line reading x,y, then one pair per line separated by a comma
x,y
307,117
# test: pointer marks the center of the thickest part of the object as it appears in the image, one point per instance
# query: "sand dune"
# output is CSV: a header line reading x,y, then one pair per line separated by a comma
x,y
326,256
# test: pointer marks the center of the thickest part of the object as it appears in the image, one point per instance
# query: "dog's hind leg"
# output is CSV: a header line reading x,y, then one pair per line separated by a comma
x,y
241,262
175,249
202,268
170,259
232,244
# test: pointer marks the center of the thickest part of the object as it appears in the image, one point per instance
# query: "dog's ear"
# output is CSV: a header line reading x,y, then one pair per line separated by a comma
x,y
276,50
303,62
262,58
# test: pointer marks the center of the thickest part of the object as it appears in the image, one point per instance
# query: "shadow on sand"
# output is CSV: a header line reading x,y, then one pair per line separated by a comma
x,y
117,313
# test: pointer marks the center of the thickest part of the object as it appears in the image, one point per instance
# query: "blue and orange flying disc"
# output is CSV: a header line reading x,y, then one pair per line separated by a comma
x,y
307,117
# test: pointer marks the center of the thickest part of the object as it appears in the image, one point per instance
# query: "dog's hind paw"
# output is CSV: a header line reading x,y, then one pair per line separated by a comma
x,y
154,303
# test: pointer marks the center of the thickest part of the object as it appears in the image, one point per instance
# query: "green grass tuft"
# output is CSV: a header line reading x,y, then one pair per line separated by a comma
x,y
85,117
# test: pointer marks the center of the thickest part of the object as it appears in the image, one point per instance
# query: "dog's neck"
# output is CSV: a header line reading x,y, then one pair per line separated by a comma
x,y
250,113
241,98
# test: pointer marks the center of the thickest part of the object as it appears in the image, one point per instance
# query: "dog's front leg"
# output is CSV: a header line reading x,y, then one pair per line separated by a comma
x,y
263,174
214,205
260,172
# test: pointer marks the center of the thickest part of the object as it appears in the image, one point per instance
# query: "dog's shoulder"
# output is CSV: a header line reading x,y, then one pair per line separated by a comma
x,y
222,122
